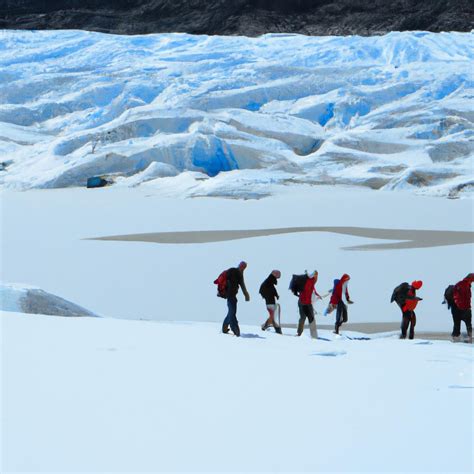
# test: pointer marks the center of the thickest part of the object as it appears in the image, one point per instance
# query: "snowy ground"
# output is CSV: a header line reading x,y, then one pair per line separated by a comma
x,y
95,395
44,242
390,112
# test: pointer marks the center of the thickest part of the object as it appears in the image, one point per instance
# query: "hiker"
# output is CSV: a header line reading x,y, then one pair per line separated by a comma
x,y
270,295
405,296
451,305
461,307
340,293
234,280
330,307
305,305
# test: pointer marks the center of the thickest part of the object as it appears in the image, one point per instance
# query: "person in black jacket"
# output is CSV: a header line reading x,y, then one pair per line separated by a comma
x,y
235,279
270,295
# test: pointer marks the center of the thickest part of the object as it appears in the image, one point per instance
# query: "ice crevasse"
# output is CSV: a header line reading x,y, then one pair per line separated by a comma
x,y
388,112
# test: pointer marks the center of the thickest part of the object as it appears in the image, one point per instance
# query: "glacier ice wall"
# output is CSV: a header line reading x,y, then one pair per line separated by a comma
x,y
388,112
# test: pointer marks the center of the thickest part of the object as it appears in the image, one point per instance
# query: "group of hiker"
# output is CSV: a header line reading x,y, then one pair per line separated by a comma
x,y
457,297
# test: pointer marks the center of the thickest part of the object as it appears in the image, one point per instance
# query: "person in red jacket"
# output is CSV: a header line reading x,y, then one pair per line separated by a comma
x,y
305,305
340,292
408,310
461,310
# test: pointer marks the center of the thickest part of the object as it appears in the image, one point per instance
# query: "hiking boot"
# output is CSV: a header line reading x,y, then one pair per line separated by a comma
x,y
456,338
225,329
300,329
236,332
264,327
278,330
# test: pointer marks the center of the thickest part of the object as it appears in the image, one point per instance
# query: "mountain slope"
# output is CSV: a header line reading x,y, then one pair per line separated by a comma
x,y
239,17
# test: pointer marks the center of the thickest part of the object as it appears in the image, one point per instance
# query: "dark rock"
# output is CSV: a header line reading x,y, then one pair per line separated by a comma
x,y
239,17
37,301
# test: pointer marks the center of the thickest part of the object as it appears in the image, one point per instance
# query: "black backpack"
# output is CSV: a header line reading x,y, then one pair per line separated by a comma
x,y
400,294
297,284
449,296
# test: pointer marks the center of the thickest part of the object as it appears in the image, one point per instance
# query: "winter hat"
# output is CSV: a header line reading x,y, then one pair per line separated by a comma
x,y
417,284
276,273
243,265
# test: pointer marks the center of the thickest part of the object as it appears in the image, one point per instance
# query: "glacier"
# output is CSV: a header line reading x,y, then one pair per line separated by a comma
x,y
227,116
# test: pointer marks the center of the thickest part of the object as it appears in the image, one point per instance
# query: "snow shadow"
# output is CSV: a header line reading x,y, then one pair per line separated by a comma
x,y
357,338
330,353
251,336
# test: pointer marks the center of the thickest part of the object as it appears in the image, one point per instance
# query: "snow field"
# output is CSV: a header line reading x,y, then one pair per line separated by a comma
x,y
89,394
44,242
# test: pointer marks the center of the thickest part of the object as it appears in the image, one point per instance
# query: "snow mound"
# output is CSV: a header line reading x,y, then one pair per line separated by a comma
x,y
387,112
31,300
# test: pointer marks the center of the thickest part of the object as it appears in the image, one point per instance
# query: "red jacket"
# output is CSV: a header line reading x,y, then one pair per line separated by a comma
x,y
462,294
411,301
337,293
307,294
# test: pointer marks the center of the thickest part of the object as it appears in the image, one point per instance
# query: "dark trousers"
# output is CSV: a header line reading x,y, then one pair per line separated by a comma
x,y
341,315
306,311
458,316
408,319
231,318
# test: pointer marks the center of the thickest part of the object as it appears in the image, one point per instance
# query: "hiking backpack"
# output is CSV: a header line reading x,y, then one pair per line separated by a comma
x,y
400,294
297,284
221,282
449,296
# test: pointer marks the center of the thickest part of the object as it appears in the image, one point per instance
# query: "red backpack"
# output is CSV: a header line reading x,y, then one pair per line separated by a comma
x,y
221,282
